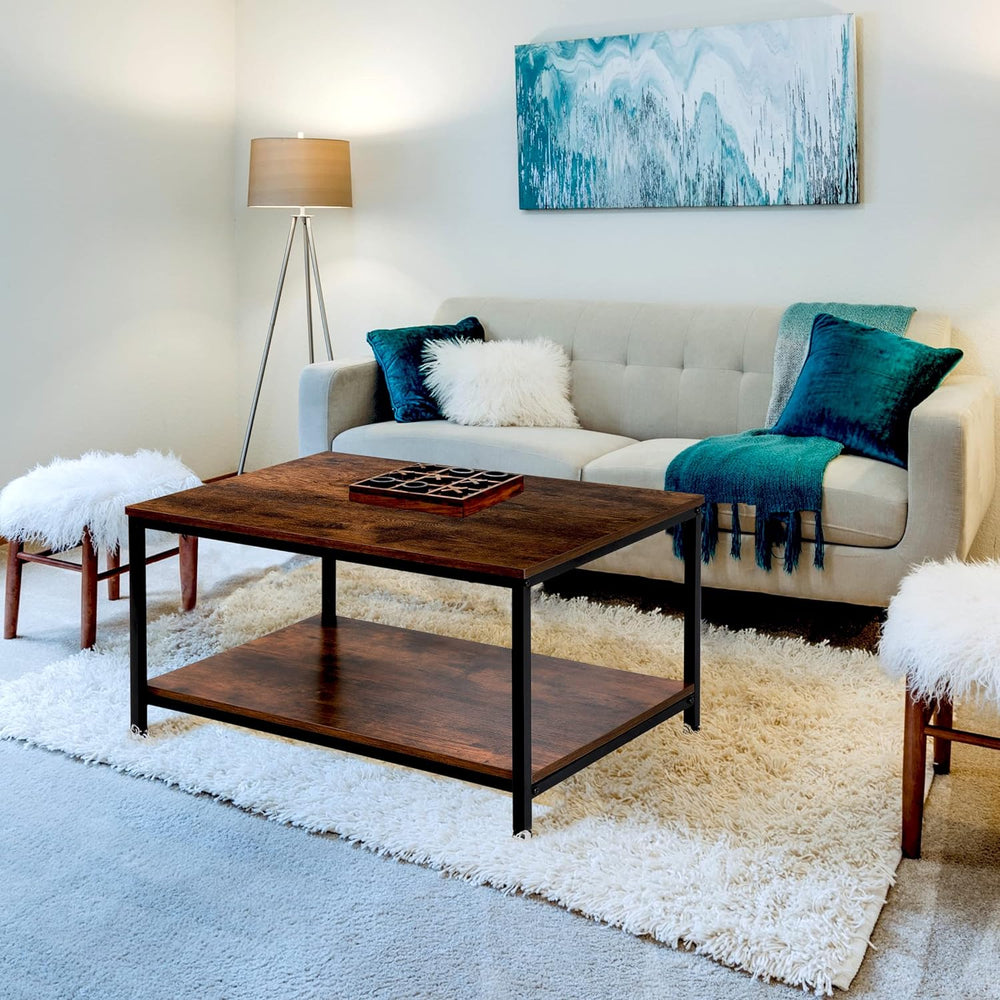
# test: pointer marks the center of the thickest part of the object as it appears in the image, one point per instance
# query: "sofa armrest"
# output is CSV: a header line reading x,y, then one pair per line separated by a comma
x,y
333,396
952,467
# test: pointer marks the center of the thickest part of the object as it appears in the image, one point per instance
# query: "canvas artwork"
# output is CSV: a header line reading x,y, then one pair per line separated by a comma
x,y
749,114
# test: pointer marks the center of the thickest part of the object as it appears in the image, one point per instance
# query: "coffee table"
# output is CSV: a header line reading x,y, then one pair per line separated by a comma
x,y
498,717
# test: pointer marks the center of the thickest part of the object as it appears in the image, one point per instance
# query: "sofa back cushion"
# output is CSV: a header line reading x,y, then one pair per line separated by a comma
x,y
650,370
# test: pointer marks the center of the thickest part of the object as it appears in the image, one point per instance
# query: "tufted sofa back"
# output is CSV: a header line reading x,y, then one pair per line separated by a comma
x,y
658,370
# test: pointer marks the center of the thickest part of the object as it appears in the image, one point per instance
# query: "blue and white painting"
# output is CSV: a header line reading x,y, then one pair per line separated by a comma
x,y
750,114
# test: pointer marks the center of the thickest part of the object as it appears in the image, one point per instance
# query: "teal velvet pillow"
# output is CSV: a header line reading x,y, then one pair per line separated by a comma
x,y
858,386
399,354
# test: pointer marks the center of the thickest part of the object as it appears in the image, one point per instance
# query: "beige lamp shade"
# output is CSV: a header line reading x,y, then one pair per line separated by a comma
x,y
290,173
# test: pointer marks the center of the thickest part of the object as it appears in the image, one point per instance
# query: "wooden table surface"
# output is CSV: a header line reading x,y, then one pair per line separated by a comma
x,y
303,505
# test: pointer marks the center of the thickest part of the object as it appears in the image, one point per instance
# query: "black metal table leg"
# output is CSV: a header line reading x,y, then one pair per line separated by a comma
x,y
137,625
692,615
520,661
328,614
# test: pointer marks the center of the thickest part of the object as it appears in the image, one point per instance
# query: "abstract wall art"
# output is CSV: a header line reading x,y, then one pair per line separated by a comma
x,y
750,114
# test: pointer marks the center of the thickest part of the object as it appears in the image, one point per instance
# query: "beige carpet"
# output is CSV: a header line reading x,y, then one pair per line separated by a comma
x,y
766,841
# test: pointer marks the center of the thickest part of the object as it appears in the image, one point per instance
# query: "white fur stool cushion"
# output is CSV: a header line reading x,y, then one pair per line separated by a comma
x,y
943,631
53,503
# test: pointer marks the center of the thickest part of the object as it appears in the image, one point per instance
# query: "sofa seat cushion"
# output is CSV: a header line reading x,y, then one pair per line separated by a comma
x,y
561,452
864,501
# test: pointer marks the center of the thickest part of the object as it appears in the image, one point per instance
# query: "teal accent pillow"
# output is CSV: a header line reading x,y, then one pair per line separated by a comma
x,y
858,386
399,354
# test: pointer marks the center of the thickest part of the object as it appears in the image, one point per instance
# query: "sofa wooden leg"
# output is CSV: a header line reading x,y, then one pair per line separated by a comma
x,y
88,593
188,545
914,763
12,602
114,582
943,717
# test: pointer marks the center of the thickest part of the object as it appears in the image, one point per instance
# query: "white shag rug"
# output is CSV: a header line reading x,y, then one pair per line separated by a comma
x,y
767,840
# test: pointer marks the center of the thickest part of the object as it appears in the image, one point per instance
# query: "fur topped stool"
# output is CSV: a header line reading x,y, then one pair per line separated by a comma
x,y
942,633
81,503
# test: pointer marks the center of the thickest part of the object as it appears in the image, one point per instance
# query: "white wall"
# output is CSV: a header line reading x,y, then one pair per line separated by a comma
x,y
116,242
425,93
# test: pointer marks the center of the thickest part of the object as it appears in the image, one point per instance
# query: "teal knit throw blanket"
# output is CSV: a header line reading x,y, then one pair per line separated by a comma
x,y
781,476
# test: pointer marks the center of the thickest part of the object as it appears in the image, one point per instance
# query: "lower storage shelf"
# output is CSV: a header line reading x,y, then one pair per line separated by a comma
x,y
429,700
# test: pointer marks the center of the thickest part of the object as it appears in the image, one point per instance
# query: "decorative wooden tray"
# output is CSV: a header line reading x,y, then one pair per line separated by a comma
x,y
438,489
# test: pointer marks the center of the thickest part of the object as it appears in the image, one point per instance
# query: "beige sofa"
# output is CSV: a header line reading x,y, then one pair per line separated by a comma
x,y
648,380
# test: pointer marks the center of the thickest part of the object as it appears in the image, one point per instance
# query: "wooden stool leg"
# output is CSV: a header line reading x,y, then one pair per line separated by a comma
x,y
188,545
12,602
88,593
942,748
914,763
114,582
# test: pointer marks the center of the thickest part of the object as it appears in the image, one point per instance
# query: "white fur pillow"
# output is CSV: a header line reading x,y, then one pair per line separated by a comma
x,y
500,383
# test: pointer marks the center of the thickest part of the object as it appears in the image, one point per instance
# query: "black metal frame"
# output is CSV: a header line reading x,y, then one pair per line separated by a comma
x,y
520,785
520,707
138,652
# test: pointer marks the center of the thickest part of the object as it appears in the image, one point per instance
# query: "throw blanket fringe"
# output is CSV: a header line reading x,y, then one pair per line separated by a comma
x,y
769,530
820,546
793,541
709,531
781,476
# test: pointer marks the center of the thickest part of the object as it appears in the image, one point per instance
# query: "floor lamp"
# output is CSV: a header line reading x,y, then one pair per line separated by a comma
x,y
293,173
